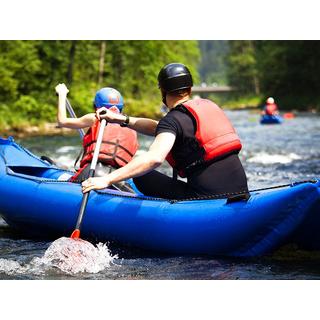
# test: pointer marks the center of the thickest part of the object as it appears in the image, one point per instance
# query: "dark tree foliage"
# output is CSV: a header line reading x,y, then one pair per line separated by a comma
x,y
213,64
242,66
30,70
287,70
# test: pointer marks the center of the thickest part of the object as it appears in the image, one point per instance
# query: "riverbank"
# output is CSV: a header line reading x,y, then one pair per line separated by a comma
x,y
44,129
51,129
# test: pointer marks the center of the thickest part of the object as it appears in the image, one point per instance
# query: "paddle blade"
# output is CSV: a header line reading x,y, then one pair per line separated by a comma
x,y
75,234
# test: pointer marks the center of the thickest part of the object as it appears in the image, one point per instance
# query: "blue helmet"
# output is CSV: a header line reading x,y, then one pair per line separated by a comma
x,y
108,97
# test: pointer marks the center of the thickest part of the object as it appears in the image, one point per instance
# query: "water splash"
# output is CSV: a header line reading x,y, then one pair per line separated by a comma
x,y
14,268
74,256
68,255
10,266
266,158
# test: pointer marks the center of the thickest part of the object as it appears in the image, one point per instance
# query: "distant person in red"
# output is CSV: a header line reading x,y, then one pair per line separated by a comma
x,y
270,109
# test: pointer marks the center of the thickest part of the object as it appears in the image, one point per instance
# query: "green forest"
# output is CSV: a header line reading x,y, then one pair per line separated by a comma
x,y
29,71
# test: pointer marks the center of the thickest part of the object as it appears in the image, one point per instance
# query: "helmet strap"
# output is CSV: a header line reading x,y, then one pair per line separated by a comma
x,y
164,97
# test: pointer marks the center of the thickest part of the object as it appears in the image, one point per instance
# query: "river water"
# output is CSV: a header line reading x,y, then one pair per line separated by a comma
x,y
272,155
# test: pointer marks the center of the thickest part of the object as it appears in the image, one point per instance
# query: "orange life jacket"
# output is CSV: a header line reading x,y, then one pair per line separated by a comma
x,y
119,144
214,134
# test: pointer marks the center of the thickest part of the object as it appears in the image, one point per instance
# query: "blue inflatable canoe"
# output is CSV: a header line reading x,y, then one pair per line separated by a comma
x,y
37,201
268,119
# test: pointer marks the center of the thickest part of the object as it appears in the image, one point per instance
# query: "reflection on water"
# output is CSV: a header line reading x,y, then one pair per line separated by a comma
x,y
271,155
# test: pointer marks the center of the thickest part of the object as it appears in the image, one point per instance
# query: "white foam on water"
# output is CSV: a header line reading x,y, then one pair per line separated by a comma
x,y
266,158
66,161
66,156
71,256
67,149
10,266
76,255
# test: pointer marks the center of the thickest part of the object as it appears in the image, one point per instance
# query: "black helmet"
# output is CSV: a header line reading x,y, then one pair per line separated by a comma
x,y
174,76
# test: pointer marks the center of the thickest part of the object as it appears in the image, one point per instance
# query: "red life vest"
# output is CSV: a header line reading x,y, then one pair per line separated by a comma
x,y
214,133
119,144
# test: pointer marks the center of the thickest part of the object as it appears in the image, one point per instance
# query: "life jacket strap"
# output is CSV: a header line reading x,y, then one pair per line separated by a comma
x,y
110,143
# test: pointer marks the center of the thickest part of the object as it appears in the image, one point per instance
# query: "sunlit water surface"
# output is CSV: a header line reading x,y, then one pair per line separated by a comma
x,y
271,155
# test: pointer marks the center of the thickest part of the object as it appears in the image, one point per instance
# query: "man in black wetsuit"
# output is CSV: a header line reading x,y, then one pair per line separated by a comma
x,y
195,137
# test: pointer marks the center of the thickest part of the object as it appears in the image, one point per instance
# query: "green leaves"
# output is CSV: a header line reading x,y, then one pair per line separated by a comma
x,y
29,71
19,60
287,70
243,66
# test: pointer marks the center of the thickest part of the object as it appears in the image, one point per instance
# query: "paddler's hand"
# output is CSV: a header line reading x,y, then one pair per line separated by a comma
x,y
95,184
61,89
110,115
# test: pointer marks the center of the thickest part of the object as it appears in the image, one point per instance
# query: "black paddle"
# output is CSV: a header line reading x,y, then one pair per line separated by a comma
x,y
76,233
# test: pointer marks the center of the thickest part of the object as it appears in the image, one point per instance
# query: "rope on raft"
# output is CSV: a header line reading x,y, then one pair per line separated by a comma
x,y
231,196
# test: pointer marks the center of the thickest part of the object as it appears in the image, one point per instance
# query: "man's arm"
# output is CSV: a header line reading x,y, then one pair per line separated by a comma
x,y
145,126
142,125
138,166
148,161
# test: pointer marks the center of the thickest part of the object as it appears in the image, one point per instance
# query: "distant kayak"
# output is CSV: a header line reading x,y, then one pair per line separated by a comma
x,y
268,119
288,115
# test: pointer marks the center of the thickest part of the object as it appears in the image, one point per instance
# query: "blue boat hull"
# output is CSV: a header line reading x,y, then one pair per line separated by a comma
x,y
267,119
35,202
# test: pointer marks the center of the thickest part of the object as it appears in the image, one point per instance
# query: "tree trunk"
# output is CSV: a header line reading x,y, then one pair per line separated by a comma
x,y
256,83
72,53
101,62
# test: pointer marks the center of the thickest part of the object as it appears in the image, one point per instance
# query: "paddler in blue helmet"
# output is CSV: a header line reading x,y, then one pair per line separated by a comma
x,y
119,143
